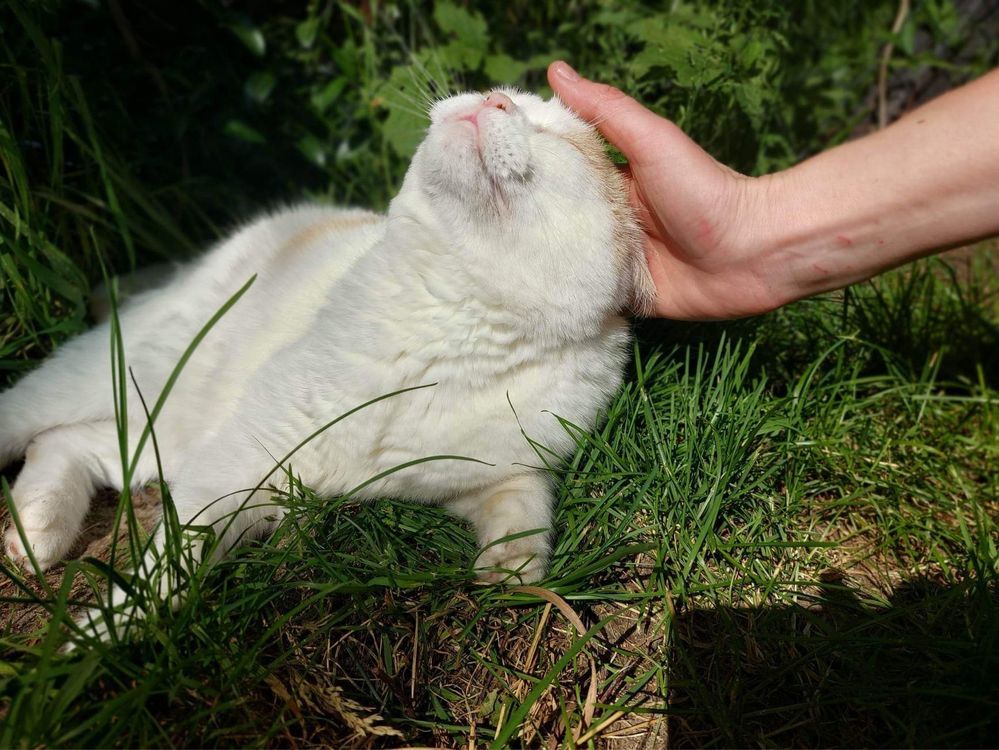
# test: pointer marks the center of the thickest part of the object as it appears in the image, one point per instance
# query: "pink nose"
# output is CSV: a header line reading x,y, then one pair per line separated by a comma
x,y
499,101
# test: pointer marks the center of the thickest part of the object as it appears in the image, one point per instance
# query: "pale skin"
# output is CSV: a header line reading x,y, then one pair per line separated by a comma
x,y
723,245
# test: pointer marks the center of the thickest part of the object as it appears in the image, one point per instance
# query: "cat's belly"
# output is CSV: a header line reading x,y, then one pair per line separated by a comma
x,y
493,395
449,438
294,276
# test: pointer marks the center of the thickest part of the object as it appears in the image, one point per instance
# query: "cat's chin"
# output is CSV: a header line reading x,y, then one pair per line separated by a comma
x,y
471,190
481,152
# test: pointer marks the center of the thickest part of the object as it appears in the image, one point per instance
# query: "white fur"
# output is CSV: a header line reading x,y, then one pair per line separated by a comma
x,y
493,276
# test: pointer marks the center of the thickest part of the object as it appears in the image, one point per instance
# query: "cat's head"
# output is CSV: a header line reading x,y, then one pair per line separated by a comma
x,y
529,184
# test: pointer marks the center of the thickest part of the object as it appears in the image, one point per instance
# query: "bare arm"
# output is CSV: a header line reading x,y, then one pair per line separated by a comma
x,y
722,245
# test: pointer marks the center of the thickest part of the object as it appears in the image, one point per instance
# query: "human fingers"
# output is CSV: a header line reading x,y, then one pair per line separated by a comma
x,y
622,121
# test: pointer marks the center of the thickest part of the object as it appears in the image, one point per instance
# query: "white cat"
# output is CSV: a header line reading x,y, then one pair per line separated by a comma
x,y
498,275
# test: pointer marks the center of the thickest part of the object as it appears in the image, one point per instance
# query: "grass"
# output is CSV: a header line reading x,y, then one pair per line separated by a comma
x,y
759,561
784,533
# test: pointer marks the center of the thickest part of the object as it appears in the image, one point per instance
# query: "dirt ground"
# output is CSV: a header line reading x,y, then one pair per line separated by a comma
x,y
18,615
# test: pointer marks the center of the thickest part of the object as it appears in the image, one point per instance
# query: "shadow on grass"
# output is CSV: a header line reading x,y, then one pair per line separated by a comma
x,y
918,670
941,311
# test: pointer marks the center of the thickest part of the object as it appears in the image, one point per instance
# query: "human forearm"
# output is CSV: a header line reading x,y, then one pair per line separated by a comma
x,y
927,182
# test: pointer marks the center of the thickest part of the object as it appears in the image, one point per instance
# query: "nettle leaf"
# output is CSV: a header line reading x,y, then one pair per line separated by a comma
x,y
250,36
470,28
905,40
322,99
404,131
614,17
313,149
471,34
504,69
943,17
405,125
258,87
305,32
348,59
673,47
658,28
241,131
751,97
755,53
670,46
541,60
682,40
458,56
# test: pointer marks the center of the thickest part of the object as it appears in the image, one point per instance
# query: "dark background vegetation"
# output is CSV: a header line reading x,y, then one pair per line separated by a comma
x,y
138,131
839,591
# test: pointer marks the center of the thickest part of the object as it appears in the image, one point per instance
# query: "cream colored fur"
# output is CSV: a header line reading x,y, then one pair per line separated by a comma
x,y
497,275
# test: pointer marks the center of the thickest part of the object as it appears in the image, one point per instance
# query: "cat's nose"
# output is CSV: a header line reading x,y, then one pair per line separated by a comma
x,y
499,101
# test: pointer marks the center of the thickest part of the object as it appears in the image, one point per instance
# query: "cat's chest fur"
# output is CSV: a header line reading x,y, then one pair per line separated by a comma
x,y
336,319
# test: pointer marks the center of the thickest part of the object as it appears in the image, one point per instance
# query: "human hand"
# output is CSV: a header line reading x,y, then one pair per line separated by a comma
x,y
723,245
701,219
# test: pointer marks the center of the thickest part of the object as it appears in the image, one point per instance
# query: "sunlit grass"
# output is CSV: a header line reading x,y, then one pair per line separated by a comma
x,y
763,561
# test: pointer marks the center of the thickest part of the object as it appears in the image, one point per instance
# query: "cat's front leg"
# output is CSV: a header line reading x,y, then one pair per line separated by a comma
x,y
63,467
513,520
221,496
51,497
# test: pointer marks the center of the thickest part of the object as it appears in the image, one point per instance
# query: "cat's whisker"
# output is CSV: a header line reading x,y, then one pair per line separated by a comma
x,y
441,78
434,86
417,114
416,97
421,87
406,104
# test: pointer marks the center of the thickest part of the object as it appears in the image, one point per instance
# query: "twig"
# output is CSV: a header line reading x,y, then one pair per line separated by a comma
x,y
416,653
590,703
886,53
532,652
528,665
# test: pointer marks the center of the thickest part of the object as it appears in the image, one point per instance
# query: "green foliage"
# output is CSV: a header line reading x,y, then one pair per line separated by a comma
x,y
123,144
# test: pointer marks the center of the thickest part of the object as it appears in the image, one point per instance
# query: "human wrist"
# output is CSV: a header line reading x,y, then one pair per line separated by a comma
x,y
816,232
772,237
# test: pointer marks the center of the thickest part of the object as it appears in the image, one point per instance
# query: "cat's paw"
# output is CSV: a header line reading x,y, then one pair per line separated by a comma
x,y
50,536
517,561
512,520
48,546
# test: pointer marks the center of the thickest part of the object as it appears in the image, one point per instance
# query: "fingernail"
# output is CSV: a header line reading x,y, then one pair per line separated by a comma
x,y
565,72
